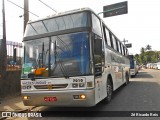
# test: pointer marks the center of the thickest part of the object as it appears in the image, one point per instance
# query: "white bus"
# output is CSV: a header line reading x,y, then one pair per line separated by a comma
x,y
133,66
72,59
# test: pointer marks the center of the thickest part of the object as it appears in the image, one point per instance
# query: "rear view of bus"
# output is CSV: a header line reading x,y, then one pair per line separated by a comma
x,y
65,61
133,66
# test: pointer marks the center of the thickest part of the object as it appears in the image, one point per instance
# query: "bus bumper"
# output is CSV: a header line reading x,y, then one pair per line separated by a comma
x,y
68,98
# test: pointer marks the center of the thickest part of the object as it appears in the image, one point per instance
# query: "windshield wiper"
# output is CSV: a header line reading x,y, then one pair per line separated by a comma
x,y
65,46
59,61
42,53
62,67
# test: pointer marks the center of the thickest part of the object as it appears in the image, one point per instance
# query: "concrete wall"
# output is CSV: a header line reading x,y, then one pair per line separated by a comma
x,y
10,85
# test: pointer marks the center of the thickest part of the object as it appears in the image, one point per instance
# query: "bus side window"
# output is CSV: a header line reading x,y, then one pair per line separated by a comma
x,y
110,36
98,47
96,25
122,49
114,43
104,33
98,55
117,45
106,36
126,52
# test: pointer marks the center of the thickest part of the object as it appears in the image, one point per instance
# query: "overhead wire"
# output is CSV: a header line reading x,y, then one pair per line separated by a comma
x,y
47,6
22,8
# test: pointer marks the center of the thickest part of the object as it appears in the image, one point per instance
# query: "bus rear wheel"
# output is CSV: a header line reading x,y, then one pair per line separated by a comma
x,y
109,89
127,78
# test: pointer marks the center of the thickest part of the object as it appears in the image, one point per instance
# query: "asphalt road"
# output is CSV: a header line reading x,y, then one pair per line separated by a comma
x,y
141,94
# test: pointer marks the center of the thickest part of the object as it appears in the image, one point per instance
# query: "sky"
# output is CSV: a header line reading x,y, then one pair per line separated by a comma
x,y
141,26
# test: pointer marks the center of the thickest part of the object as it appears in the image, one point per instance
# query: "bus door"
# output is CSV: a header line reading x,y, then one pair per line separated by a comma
x,y
117,68
120,70
98,68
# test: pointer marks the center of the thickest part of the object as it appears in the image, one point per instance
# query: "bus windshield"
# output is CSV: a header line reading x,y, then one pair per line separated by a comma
x,y
55,24
58,56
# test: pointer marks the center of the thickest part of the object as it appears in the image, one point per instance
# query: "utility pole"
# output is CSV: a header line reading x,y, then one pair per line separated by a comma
x,y
26,13
3,51
124,41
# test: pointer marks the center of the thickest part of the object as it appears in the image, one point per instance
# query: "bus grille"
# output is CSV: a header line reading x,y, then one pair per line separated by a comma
x,y
55,86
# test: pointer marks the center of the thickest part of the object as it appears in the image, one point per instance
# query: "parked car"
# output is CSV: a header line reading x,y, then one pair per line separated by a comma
x,y
154,66
158,65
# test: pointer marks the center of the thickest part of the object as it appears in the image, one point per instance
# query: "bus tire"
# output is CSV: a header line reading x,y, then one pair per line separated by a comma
x,y
109,89
127,78
132,76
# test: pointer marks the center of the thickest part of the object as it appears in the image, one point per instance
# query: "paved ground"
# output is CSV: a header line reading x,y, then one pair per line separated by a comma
x,y
142,94
13,104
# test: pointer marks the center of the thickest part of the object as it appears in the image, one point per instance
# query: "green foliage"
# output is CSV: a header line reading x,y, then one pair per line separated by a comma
x,y
147,55
148,47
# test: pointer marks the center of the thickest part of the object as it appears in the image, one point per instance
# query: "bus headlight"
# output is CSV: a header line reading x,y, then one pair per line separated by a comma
x,y
79,97
82,97
25,97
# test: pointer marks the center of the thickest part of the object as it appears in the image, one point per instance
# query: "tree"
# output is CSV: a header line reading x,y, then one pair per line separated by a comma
x,y
147,55
137,57
142,50
148,47
142,58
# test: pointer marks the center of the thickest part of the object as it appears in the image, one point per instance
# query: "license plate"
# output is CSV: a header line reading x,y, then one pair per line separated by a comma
x,y
50,99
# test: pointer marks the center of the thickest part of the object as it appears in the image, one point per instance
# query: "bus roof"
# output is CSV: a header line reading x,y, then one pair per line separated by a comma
x,y
71,12
63,13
